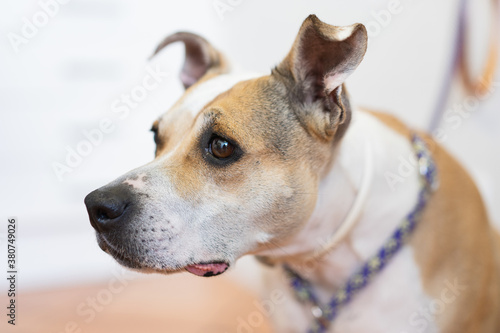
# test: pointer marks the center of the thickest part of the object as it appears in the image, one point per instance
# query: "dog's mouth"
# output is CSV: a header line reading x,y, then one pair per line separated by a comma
x,y
208,269
204,269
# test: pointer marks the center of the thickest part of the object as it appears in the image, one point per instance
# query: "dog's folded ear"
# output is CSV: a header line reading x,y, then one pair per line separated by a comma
x,y
321,59
201,57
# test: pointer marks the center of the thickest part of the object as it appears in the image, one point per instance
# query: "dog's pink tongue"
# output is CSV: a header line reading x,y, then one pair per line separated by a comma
x,y
207,269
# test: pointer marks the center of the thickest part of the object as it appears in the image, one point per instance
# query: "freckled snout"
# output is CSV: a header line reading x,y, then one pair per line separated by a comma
x,y
108,207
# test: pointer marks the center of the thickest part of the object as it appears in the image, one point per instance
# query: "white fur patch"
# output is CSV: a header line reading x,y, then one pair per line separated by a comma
x,y
392,302
205,92
342,33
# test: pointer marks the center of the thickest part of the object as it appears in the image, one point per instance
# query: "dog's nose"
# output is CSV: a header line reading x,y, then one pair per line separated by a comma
x,y
106,208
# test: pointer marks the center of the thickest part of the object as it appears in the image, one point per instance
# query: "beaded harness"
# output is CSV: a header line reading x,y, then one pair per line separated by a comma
x,y
325,314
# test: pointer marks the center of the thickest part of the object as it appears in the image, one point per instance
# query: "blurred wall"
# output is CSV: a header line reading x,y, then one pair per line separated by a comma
x,y
68,80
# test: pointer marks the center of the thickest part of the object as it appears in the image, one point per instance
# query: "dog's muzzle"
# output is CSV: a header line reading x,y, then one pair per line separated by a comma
x,y
112,211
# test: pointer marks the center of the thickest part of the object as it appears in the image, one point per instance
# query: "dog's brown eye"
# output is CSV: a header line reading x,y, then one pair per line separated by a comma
x,y
221,148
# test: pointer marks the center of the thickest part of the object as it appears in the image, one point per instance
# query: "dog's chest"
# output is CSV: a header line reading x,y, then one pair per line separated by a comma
x,y
394,302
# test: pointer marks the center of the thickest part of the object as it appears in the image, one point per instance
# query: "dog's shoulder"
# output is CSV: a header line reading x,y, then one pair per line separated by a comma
x,y
455,226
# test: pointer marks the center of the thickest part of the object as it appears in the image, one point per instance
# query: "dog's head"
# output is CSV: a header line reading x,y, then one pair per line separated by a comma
x,y
238,157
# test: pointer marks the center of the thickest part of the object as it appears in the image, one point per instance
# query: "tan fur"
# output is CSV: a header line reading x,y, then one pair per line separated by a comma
x,y
455,241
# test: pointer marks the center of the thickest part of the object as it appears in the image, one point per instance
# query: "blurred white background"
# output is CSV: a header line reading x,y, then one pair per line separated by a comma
x,y
70,74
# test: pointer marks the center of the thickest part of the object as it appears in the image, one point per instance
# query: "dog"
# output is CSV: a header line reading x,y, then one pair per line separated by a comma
x,y
283,166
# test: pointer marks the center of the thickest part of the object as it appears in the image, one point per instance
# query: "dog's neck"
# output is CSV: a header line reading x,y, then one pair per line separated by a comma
x,y
384,208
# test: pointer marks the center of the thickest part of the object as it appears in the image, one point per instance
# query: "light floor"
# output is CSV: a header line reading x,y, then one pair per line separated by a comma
x,y
177,304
